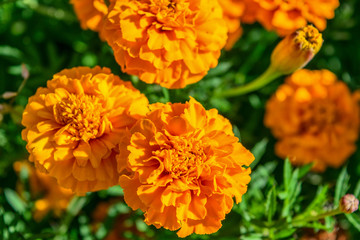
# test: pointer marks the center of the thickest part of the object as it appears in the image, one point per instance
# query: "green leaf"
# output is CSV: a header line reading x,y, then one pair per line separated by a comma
x,y
285,233
254,236
41,236
76,204
270,206
318,201
305,169
357,190
14,200
258,150
287,173
165,91
2,222
292,188
342,185
354,220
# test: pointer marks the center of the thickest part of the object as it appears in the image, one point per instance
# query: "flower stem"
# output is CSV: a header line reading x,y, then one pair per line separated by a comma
x,y
300,219
268,76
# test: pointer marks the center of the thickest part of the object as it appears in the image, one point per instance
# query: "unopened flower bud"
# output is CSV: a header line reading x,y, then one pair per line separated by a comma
x,y
296,50
349,203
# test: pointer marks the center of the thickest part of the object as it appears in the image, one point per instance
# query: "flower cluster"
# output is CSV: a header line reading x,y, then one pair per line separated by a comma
x,y
179,163
184,167
315,118
171,43
73,125
286,16
48,195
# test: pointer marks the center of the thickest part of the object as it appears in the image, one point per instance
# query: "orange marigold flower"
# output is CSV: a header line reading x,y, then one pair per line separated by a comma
x,y
286,16
169,42
233,11
296,50
48,195
74,124
315,118
185,166
90,13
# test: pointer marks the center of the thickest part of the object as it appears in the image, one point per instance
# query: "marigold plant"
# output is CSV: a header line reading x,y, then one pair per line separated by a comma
x,y
233,11
286,16
171,43
184,167
315,119
48,195
73,125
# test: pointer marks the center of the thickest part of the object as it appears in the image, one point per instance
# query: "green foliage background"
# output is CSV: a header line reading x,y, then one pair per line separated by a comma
x,y
46,36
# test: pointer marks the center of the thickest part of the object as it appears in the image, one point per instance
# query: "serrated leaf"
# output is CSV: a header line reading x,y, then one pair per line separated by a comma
x,y
14,200
318,200
270,206
342,185
292,188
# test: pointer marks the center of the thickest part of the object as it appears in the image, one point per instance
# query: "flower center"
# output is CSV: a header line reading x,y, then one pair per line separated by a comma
x,y
309,38
183,157
81,116
168,11
320,115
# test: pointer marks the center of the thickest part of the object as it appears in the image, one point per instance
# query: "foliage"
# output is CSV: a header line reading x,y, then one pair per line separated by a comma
x,y
45,36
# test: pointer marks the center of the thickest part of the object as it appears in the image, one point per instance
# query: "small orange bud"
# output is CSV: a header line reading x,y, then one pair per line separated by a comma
x,y
296,50
349,203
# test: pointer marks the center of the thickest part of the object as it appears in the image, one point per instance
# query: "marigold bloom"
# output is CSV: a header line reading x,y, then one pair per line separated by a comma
x,y
233,10
48,195
296,50
90,13
315,118
185,166
169,42
286,16
74,124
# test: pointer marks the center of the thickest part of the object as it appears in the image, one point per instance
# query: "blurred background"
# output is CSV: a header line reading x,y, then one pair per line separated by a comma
x,y
42,37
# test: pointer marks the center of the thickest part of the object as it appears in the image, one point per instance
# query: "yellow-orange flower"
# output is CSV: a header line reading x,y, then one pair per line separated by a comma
x,y
315,118
296,50
74,124
185,166
48,195
90,13
233,11
169,42
285,16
